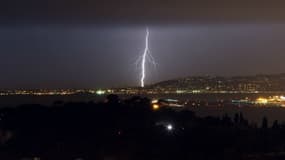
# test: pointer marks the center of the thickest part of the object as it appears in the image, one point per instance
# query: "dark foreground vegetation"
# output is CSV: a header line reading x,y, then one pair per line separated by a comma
x,y
131,130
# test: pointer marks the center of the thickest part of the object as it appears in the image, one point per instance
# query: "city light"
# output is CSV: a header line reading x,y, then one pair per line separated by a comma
x,y
155,106
154,101
271,101
169,127
100,92
262,101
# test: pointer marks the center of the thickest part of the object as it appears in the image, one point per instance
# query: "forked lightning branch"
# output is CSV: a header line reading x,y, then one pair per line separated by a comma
x,y
144,59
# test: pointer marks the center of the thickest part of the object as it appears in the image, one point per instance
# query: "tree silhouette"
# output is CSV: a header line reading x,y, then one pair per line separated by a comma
x,y
236,118
113,99
275,125
264,123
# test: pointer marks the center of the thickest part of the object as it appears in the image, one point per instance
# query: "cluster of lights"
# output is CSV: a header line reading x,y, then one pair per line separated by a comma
x,y
261,101
270,100
155,105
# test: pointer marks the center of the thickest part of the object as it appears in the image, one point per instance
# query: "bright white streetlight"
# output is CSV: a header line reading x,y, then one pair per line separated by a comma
x,y
169,127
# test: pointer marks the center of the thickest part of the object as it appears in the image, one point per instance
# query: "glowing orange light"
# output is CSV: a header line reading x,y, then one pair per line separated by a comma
x,y
262,100
155,106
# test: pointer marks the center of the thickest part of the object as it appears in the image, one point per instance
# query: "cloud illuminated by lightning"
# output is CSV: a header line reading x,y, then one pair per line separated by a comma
x,y
144,58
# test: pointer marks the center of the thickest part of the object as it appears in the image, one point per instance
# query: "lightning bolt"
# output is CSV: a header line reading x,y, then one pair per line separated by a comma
x,y
146,57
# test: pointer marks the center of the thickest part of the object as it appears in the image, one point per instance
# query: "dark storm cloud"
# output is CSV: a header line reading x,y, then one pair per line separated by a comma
x,y
144,11
93,57
87,44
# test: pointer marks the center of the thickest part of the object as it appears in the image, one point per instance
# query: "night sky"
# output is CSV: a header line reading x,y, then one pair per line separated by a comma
x,y
93,44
